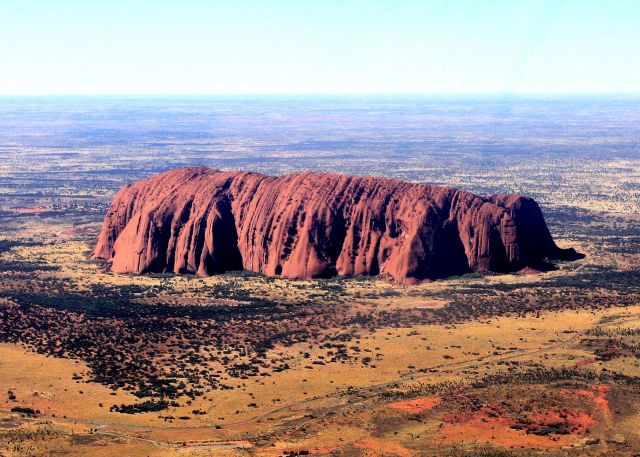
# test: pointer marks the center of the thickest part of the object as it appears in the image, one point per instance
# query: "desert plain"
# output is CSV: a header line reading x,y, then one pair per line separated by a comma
x,y
100,364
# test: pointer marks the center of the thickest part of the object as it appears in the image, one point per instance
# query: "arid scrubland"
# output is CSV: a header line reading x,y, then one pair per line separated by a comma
x,y
238,364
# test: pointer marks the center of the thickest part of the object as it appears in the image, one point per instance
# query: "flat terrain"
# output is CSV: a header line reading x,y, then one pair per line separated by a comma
x,y
239,364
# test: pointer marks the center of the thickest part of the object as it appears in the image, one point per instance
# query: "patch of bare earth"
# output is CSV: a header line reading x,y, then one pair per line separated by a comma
x,y
416,405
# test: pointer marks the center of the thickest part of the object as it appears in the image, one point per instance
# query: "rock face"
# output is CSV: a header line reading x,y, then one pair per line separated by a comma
x,y
315,225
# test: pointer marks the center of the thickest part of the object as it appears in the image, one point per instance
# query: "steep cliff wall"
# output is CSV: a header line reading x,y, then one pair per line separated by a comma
x,y
310,225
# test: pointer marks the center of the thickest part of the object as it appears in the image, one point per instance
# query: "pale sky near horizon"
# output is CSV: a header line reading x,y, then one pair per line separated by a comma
x,y
319,46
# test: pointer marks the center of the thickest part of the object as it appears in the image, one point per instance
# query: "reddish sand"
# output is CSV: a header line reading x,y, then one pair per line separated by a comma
x,y
599,396
584,362
384,447
491,426
573,422
416,405
499,435
484,418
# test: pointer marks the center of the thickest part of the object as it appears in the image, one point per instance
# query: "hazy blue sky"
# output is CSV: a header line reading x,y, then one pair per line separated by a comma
x,y
316,46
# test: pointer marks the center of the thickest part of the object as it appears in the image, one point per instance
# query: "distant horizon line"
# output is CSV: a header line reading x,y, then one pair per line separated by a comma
x,y
331,94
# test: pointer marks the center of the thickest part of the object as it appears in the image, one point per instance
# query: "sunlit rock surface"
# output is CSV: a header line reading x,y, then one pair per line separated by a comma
x,y
316,225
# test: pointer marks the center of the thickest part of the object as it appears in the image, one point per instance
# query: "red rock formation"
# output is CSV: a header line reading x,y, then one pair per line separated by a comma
x,y
314,225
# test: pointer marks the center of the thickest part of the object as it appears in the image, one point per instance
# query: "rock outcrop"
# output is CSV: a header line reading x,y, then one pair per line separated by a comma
x,y
316,225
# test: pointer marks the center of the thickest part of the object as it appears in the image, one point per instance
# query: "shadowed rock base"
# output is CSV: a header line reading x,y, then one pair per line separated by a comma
x,y
315,225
